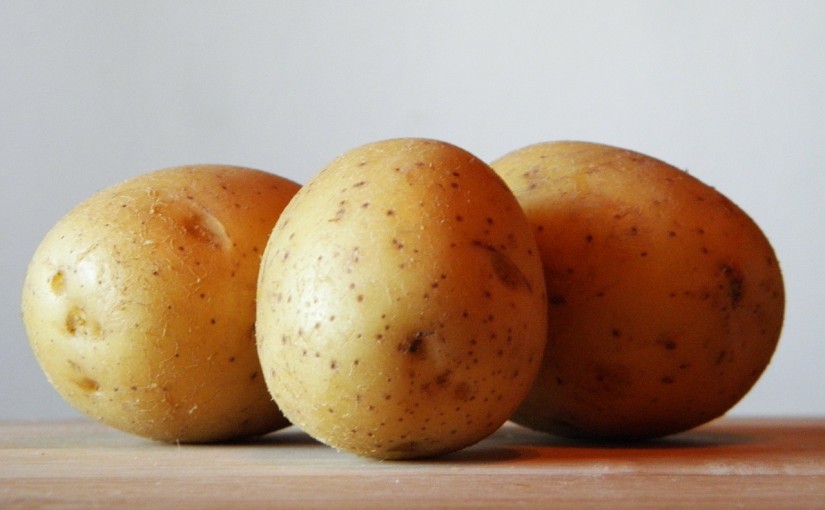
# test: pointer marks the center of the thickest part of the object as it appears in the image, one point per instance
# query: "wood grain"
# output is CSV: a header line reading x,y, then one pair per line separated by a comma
x,y
730,463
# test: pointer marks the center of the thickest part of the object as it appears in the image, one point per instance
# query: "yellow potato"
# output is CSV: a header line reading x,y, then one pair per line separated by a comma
x,y
666,299
139,304
401,305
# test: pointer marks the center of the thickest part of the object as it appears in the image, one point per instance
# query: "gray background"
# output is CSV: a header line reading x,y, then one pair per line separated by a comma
x,y
93,92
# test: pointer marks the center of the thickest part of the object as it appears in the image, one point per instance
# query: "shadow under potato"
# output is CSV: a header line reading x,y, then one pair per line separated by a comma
x,y
513,443
694,438
516,443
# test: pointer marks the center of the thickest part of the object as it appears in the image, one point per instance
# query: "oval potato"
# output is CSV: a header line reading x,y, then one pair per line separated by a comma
x,y
401,305
139,304
666,299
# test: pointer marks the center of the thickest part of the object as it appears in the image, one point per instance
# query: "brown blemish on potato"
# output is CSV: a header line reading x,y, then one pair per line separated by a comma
x,y
504,268
533,177
88,384
339,214
438,383
735,282
415,344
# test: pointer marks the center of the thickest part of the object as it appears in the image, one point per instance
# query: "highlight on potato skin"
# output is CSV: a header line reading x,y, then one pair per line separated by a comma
x,y
401,305
666,299
139,304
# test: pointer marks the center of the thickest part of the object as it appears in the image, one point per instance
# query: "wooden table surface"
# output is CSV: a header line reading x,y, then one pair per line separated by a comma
x,y
729,463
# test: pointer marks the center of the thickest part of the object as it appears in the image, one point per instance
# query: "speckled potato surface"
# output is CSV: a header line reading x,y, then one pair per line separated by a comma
x,y
401,305
666,299
139,304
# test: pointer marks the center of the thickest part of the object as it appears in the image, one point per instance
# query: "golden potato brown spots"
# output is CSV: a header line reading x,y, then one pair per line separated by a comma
x,y
401,305
665,299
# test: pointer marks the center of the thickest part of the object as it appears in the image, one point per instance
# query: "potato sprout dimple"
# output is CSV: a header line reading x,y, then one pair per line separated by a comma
x,y
78,323
204,226
58,282
88,384
195,221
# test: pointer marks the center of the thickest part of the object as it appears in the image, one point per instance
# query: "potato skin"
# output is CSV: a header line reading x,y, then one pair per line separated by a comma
x,y
139,304
401,305
666,299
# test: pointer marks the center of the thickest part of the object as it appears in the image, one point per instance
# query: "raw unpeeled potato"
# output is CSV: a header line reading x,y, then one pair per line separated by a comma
x,y
666,299
401,304
140,303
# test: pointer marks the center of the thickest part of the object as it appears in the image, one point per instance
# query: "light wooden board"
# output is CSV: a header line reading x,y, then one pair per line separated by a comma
x,y
726,464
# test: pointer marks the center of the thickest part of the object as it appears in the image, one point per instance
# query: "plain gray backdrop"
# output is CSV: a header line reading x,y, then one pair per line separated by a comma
x,y
94,92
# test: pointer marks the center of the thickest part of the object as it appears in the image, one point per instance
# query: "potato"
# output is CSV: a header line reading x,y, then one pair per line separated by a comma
x,y
666,299
401,305
139,304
